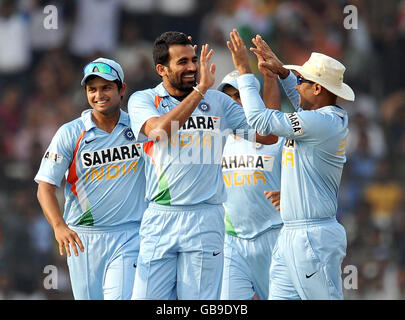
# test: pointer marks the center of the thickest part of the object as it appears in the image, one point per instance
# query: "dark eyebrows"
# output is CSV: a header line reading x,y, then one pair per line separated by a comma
x,y
104,86
185,59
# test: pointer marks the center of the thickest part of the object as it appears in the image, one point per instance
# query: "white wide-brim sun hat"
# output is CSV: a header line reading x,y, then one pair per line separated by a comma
x,y
326,71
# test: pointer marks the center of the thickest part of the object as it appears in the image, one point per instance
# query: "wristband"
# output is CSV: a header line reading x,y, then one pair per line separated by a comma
x,y
199,91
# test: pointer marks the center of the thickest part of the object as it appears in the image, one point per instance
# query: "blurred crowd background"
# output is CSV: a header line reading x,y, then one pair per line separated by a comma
x,y
40,72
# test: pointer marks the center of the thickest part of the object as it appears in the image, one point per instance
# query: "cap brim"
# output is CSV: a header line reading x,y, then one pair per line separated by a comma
x,y
99,74
344,92
224,84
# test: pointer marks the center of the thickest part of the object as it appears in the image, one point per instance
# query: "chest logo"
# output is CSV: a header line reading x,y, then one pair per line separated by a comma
x,y
128,134
204,107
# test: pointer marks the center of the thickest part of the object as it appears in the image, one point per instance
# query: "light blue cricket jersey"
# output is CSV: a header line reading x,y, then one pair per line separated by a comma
x,y
313,154
105,180
186,168
249,169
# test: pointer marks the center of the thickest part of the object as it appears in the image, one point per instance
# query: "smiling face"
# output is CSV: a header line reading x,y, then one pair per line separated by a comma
x,y
104,96
180,75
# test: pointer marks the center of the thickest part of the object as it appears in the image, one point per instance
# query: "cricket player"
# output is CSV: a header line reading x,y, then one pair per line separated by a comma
x,y
251,224
182,232
104,190
306,262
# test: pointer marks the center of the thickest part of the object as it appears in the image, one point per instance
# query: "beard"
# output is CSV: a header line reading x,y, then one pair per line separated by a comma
x,y
178,83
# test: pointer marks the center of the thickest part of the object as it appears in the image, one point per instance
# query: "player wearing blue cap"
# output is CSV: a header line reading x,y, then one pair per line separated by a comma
x,y
104,190
252,226
182,232
306,262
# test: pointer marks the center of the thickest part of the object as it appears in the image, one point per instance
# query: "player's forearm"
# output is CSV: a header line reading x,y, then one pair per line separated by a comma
x,y
49,204
269,139
288,84
166,125
271,93
256,112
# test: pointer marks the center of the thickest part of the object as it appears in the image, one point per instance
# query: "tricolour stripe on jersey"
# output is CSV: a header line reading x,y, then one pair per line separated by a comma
x,y
72,176
148,149
86,218
229,228
157,101
163,196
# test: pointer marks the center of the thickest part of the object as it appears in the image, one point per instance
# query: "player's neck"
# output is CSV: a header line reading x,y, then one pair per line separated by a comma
x,y
106,122
174,92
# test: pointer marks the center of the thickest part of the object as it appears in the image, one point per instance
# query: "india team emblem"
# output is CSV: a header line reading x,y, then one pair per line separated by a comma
x,y
204,107
259,146
129,135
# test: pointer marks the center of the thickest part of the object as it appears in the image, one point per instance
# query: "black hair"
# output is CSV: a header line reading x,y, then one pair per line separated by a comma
x,y
163,42
117,82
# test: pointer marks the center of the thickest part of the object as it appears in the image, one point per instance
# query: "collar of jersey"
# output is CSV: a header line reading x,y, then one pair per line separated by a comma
x,y
161,90
335,109
89,124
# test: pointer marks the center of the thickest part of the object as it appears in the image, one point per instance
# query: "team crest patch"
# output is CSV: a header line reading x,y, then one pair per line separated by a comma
x,y
259,146
129,135
204,107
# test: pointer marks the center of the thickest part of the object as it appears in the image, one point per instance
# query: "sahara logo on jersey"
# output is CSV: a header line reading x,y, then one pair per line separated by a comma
x,y
288,154
111,155
246,169
248,162
202,123
289,143
296,125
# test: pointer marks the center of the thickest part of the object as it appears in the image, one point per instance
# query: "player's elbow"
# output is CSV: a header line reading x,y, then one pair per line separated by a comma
x,y
259,123
269,139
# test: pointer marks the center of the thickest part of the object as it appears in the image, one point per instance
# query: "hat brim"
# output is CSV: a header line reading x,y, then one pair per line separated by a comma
x,y
108,77
233,84
344,91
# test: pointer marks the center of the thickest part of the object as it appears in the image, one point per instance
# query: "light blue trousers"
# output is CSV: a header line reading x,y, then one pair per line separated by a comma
x,y
307,260
106,269
247,266
181,253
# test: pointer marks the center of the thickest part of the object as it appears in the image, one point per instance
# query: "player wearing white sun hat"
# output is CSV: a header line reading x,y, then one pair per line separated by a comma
x,y
306,262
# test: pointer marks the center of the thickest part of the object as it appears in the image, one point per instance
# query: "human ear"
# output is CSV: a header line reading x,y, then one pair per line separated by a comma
x,y
161,70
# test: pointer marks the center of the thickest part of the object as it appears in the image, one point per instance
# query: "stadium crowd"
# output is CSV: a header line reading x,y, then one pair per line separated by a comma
x,y
40,72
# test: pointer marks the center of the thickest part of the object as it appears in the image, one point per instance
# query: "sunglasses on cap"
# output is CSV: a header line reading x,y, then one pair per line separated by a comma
x,y
102,68
302,80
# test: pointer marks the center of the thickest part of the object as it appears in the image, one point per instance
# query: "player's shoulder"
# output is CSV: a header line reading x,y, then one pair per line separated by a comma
x,y
143,93
150,93
219,98
212,93
72,128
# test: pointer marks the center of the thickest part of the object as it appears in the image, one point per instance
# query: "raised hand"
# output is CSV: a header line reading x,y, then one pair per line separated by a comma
x,y
194,46
240,54
267,72
267,59
207,70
